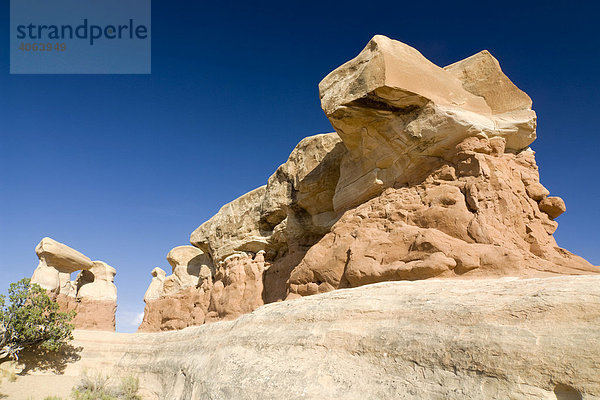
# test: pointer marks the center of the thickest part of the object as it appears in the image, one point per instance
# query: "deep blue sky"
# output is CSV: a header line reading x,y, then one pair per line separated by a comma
x,y
123,168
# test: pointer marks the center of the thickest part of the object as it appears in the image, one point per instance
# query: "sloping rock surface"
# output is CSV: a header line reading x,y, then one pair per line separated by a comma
x,y
492,339
436,339
501,338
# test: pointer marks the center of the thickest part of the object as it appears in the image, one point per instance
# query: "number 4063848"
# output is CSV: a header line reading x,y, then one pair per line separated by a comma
x,y
42,46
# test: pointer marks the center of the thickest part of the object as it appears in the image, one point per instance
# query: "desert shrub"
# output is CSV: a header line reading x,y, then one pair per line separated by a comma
x,y
7,373
53,398
88,395
93,387
128,390
97,386
31,319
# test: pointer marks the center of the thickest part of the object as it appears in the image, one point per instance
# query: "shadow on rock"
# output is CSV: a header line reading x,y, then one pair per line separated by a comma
x,y
56,362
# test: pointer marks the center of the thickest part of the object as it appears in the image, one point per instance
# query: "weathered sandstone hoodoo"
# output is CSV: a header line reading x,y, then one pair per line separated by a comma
x,y
430,174
93,294
232,288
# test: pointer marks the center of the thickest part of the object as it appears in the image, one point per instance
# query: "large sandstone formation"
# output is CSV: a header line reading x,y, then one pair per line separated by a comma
x,y
450,145
430,174
504,338
93,294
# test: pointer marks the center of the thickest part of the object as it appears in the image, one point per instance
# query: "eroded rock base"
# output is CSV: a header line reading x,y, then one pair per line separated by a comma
x,y
479,213
97,315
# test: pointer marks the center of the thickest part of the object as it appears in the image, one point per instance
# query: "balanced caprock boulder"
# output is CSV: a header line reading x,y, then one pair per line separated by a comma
x,y
93,294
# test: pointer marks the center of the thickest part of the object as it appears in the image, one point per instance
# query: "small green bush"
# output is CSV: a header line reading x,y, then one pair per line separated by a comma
x,y
31,320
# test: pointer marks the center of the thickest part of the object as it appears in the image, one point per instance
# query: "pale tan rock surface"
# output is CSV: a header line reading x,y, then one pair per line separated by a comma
x,y
481,75
97,283
433,339
234,228
57,262
186,262
155,289
553,206
291,210
397,113
93,294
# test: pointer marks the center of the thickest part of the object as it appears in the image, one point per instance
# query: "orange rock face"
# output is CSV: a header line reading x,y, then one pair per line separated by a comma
x,y
96,315
471,217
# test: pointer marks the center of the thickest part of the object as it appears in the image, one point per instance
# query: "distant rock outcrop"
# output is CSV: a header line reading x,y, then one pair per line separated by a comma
x,y
430,174
93,294
232,288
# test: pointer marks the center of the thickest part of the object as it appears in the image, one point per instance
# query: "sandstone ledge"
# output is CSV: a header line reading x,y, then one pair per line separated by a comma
x,y
441,339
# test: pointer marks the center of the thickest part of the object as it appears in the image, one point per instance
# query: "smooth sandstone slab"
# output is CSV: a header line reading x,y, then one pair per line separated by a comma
x,y
61,256
492,339
481,75
57,262
391,74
